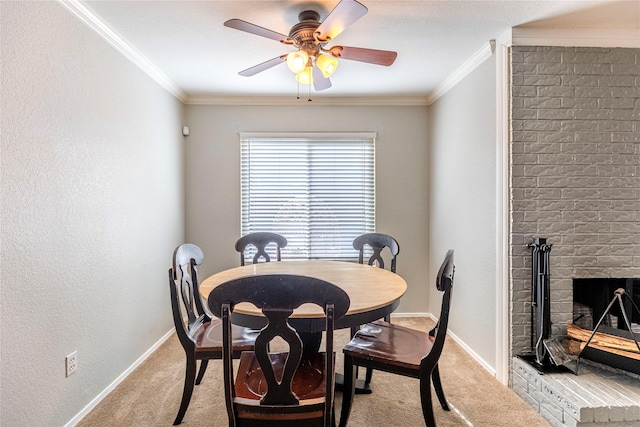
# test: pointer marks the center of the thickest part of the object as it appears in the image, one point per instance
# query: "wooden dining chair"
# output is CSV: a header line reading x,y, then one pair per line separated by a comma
x,y
289,388
199,334
403,351
260,240
376,242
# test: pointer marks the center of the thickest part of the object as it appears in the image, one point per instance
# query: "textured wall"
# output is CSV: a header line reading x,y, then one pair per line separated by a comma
x,y
92,208
462,178
575,171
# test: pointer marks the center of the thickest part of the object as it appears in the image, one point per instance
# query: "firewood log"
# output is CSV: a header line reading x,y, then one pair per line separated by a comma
x,y
601,341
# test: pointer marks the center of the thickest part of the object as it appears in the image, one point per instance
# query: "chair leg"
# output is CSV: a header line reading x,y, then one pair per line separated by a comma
x,y
425,400
437,385
203,368
189,380
348,391
369,374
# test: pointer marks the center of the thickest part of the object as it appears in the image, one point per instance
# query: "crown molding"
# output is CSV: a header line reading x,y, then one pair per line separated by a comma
x,y
303,101
460,73
629,38
121,45
578,37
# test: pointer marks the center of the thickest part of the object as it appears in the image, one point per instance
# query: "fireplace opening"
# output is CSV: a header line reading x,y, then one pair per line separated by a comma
x,y
591,297
603,304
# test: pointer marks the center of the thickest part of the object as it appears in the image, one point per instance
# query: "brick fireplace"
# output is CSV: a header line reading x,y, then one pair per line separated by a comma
x,y
575,173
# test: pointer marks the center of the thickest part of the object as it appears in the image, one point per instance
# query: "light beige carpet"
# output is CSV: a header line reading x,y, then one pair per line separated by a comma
x,y
151,395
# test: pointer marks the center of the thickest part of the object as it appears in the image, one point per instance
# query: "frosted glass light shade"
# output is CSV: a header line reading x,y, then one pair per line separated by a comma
x,y
305,77
297,61
327,65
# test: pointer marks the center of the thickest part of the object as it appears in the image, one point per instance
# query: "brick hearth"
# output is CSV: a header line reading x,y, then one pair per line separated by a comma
x,y
595,398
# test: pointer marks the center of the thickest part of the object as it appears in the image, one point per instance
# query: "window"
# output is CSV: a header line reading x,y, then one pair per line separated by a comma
x,y
316,189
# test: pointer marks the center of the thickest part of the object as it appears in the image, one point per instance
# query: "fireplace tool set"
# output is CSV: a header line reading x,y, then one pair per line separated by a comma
x,y
548,354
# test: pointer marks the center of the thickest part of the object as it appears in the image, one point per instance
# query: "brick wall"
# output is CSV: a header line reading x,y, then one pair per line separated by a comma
x,y
575,172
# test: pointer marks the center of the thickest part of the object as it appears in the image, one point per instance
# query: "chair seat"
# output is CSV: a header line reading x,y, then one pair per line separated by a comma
x,y
389,343
208,337
308,381
309,385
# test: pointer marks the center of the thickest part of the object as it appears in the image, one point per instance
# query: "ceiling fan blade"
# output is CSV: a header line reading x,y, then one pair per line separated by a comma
x,y
263,66
372,56
239,24
320,82
344,14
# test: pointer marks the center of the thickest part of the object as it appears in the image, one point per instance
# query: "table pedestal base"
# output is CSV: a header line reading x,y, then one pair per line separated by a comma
x,y
311,343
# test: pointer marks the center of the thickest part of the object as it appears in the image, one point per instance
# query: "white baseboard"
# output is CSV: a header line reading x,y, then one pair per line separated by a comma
x,y
80,415
396,314
468,349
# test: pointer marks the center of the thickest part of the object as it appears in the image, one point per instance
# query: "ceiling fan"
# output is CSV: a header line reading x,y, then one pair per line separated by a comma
x,y
310,61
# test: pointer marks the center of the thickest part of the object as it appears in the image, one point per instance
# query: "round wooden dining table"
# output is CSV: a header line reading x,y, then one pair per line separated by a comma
x,y
374,292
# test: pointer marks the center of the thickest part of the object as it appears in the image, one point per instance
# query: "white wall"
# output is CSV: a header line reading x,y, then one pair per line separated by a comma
x,y
213,177
462,138
92,208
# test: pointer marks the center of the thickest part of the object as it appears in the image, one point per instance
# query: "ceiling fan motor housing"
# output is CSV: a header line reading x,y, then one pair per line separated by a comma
x,y
303,33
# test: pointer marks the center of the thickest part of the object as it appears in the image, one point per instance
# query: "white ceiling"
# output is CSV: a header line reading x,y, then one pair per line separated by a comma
x,y
187,42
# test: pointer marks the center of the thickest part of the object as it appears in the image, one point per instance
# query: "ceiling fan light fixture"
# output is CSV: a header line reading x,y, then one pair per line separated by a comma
x,y
327,65
297,61
305,76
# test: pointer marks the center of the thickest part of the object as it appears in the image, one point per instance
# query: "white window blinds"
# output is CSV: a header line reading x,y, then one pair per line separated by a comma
x,y
317,190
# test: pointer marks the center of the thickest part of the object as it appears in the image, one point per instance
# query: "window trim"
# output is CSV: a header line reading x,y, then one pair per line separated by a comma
x,y
311,135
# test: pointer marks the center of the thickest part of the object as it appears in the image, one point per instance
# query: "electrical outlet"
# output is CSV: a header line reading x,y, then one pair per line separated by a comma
x,y
71,362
